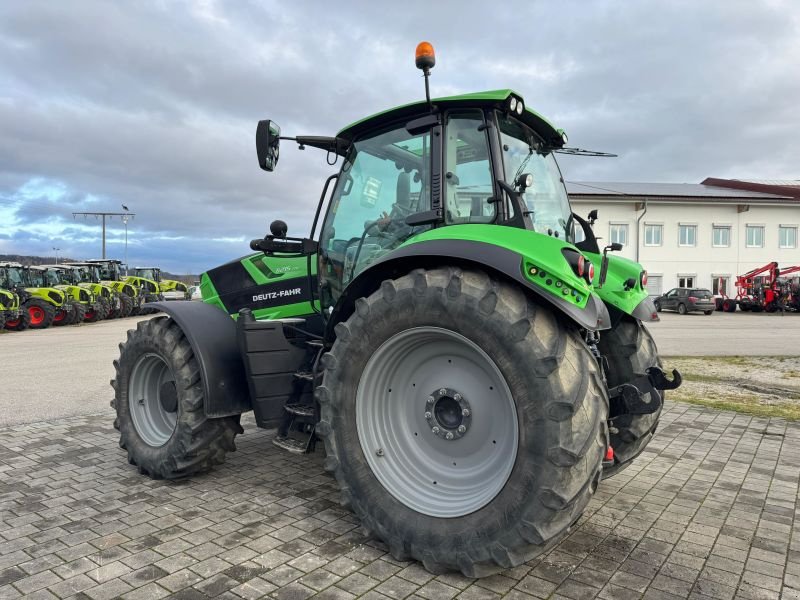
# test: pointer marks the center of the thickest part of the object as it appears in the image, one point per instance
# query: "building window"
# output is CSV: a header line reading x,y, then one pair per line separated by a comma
x,y
719,284
619,233
721,236
787,236
685,281
687,236
754,236
652,235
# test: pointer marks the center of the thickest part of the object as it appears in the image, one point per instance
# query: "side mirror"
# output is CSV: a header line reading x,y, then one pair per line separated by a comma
x,y
592,216
267,144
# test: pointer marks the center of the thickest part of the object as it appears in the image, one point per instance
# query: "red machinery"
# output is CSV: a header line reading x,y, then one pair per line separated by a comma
x,y
757,290
791,286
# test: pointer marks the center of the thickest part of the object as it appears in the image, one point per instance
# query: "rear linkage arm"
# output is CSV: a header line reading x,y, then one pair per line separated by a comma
x,y
632,395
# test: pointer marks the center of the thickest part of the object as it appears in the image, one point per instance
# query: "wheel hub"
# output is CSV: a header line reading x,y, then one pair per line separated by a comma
x,y
448,413
153,400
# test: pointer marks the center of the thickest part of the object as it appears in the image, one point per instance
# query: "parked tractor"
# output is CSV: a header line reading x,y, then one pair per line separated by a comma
x,y
169,289
440,331
86,304
147,281
791,287
9,307
109,298
39,303
110,274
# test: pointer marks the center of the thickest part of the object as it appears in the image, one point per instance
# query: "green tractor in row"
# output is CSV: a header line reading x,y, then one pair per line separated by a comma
x,y
146,279
442,330
110,299
9,307
131,294
40,303
87,306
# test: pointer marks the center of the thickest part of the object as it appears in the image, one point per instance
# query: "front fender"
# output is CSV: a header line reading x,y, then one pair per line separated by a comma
x,y
212,336
593,315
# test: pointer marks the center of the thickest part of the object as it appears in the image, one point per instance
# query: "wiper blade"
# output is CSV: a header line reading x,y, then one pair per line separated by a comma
x,y
582,152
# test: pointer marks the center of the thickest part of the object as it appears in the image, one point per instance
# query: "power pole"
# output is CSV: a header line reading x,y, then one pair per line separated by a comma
x,y
126,216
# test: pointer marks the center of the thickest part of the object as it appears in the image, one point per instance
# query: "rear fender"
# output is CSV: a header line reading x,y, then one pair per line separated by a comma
x,y
212,336
495,259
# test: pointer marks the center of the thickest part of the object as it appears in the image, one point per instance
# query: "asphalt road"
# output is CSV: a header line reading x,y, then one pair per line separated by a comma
x,y
65,371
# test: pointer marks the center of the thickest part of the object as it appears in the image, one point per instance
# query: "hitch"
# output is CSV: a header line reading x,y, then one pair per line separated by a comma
x,y
659,380
629,398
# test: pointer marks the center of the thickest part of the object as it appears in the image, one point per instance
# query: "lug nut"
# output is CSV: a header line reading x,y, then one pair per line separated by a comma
x,y
428,415
430,399
465,412
435,429
461,429
379,451
442,392
457,397
449,435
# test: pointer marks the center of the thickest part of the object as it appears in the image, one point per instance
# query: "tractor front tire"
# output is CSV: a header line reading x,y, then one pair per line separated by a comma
x,y
78,313
21,323
40,312
464,423
158,396
630,350
125,305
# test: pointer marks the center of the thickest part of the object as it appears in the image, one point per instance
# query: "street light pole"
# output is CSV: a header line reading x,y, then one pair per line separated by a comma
x,y
125,219
57,250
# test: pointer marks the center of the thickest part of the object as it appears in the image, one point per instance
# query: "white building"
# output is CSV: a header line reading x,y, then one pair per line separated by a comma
x,y
695,235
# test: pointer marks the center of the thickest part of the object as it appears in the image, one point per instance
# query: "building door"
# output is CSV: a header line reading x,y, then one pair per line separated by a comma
x,y
654,284
685,281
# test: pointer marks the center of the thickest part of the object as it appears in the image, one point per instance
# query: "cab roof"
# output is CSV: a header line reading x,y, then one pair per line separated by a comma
x,y
492,98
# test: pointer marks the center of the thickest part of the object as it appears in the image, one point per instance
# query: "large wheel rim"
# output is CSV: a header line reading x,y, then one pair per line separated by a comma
x,y
153,400
437,422
37,315
59,316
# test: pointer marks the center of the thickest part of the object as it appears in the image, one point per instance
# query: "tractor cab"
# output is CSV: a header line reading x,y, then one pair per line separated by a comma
x,y
109,269
151,273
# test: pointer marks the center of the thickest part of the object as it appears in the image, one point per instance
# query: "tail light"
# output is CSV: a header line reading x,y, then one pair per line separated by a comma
x,y
693,298
590,272
643,279
579,268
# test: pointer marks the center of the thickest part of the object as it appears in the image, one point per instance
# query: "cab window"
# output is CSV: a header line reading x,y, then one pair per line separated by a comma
x,y
468,172
384,179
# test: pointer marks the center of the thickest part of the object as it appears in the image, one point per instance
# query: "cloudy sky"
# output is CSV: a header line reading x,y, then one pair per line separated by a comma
x,y
154,104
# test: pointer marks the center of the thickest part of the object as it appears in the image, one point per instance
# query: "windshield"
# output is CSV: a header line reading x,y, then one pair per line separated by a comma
x,y
14,276
147,274
109,271
51,278
36,278
546,200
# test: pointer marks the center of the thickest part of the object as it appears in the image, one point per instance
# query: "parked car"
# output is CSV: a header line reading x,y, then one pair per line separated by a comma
x,y
194,293
686,300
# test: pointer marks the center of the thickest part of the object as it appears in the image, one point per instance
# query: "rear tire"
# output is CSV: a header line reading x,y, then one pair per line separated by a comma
x,y
630,350
657,305
40,312
682,309
708,312
160,405
544,373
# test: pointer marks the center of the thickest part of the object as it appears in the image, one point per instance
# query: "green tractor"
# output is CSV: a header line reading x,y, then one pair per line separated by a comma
x,y
110,274
442,332
86,305
89,276
147,281
40,303
9,307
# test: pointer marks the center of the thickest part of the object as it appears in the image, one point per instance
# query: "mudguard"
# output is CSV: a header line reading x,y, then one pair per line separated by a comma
x,y
466,253
212,335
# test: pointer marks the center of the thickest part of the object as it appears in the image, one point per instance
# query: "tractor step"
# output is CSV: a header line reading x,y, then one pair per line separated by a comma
x,y
304,375
290,444
315,343
300,410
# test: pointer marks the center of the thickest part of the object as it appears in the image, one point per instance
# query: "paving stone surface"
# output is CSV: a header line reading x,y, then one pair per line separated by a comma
x,y
708,511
